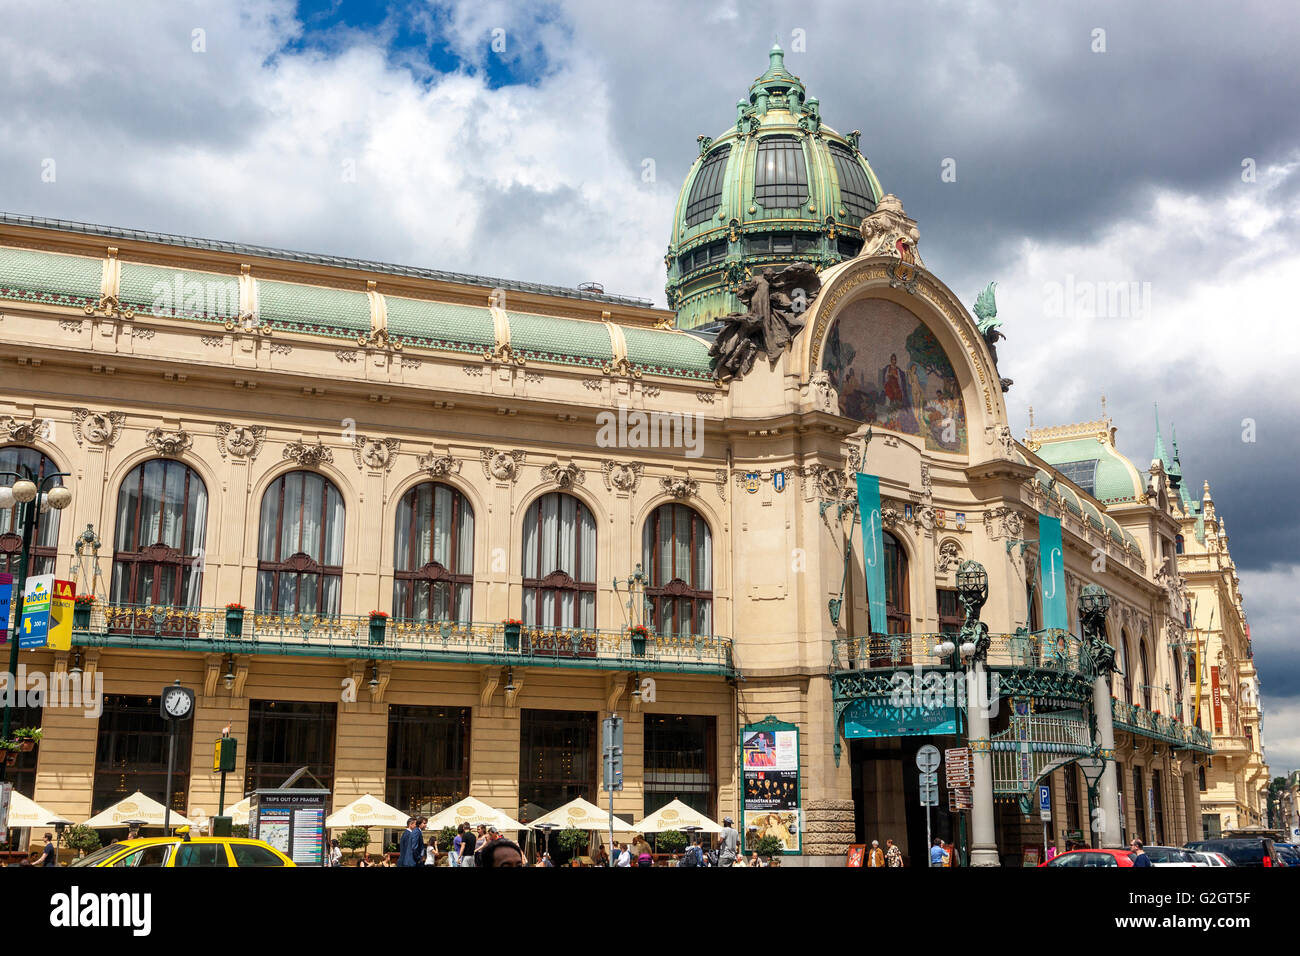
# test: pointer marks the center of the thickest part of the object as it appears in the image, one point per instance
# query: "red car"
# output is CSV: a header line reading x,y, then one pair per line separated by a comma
x,y
1091,858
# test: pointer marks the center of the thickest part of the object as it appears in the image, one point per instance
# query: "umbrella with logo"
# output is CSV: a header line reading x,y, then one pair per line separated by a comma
x,y
580,814
135,810
677,816
473,812
367,811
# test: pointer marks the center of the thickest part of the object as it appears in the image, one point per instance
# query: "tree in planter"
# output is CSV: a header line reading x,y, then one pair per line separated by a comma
x,y
671,841
445,837
82,838
572,842
354,838
770,846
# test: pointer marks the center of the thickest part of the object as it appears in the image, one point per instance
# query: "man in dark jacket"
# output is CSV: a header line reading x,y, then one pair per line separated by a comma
x,y
1139,855
410,849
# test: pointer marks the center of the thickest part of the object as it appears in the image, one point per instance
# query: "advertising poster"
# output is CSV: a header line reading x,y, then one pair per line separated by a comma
x,y
61,604
6,598
770,784
34,628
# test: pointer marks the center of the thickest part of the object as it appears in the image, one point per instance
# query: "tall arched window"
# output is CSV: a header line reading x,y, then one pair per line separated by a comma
x,y
162,514
433,555
300,546
559,563
29,463
1127,672
897,606
1146,678
1178,544
677,554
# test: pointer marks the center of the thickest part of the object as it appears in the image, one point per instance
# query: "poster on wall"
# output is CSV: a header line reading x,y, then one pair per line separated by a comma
x,y
291,820
770,783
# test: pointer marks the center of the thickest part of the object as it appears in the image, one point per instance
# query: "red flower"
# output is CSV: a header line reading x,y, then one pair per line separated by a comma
x,y
511,621
85,599
378,614
234,606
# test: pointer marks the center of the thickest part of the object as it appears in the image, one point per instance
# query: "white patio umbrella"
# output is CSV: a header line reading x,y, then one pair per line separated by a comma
x,y
473,812
238,813
367,811
676,816
580,814
25,813
135,807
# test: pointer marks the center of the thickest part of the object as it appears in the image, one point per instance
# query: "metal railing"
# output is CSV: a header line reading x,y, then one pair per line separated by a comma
x,y
1139,720
1053,650
212,630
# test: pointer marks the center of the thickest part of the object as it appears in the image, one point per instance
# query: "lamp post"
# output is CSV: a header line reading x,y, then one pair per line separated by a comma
x,y
1094,602
27,495
973,646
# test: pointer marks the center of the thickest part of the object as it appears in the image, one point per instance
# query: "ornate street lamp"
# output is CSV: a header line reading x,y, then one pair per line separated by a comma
x,y
32,498
229,679
973,593
1094,604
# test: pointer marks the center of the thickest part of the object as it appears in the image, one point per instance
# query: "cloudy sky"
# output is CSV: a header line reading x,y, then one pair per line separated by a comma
x,y
1096,144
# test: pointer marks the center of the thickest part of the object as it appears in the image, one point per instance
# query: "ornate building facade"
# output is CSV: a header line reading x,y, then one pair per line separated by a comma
x,y
386,467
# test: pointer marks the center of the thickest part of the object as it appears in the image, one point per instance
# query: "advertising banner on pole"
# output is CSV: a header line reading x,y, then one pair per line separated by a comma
x,y
61,605
1051,558
873,550
6,602
34,628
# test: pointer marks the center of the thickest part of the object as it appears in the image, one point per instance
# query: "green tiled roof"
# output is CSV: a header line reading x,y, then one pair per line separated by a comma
x,y
441,325
179,293
1094,516
314,309
1071,501
1113,527
661,352
1115,479
1132,543
49,277
565,341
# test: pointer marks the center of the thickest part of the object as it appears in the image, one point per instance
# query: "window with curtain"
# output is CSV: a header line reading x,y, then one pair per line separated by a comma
x,y
300,546
897,606
559,563
433,555
162,513
1146,677
677,555
31,464
1123,665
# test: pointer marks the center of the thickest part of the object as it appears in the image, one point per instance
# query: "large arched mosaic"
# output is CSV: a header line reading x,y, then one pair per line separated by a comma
x,y
891,371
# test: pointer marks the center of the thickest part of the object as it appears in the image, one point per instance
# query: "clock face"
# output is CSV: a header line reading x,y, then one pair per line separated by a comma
x,y
178,703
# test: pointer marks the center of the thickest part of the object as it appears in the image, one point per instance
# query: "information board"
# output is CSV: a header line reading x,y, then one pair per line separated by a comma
x,y
770,770
292,821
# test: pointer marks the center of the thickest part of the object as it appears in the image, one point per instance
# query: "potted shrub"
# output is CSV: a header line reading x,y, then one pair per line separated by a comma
x,y
671,841
353,839
513,627
572,842
638,633
234,620
770,846
82,838
28,738
378,621
85,603
10,750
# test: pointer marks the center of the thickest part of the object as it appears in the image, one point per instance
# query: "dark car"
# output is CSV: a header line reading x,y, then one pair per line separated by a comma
x,y
1242,851
1289,852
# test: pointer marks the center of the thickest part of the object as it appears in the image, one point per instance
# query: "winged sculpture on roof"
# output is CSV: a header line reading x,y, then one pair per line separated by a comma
x,y
987,321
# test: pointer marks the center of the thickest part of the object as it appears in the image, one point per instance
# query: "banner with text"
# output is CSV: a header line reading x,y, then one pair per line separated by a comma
x,y
873,550
1051,558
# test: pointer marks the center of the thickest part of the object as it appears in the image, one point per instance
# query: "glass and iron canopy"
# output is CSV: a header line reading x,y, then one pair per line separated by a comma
x,y
780,186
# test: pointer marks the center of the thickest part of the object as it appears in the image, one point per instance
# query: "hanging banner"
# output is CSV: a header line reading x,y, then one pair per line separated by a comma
x,y
34,628
6,598
873,550
61,605
1051,556
1217,699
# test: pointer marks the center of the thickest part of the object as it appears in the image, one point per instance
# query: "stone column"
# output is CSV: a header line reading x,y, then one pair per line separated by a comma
x,y
984,848
1108,786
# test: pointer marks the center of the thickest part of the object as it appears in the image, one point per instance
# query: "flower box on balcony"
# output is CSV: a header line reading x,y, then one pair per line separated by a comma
x,y
234,620
81,613
638,635
512,634
378,623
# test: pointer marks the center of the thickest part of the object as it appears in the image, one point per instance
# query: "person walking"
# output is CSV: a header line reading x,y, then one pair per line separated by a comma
x,y
1139,855
405,850
430,851
49,856
336,854
728,842
877,856
458,845
937,853
893,855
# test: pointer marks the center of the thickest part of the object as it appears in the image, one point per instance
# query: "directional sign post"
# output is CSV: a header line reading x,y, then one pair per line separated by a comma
x,y
927,761
1045,812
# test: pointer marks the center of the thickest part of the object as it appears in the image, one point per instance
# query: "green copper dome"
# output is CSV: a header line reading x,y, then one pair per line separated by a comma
x,y
778,187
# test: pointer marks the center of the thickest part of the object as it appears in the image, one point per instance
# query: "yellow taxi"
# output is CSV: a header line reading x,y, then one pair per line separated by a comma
x,y
184,850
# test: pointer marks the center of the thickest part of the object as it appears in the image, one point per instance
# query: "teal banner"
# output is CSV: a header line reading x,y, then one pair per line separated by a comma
x,y
873,550
1051,558
877,717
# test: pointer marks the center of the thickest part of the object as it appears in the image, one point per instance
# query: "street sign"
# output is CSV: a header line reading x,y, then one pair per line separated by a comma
x,y
927,759
956,766
930,779
960,798
612,738
929,797
1045,803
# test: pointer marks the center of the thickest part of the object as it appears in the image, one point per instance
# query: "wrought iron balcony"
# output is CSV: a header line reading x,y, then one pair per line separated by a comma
x,y
213,630
1139,720
1050,650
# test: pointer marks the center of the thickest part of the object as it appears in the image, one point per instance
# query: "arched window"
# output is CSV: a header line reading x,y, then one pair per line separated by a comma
x,y
31,464
1200,778
677,554
433,555
1178,544
1146,677
1124,668
162,514
897,607
300,546
559,563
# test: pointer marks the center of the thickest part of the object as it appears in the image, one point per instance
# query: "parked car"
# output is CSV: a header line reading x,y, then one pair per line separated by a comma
x,y
1289,852
186,851
1170,856
1242,851
1091,858
1210,858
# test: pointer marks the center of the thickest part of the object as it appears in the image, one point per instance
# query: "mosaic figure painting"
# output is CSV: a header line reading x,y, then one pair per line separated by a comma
x,y
890,371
